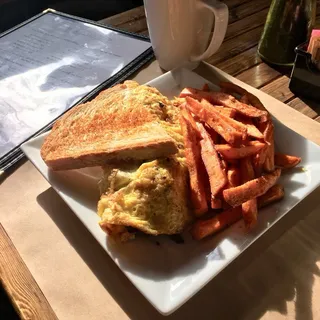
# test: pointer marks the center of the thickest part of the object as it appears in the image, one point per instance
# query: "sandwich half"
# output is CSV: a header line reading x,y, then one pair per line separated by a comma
x,y
132,131
126,122
148,196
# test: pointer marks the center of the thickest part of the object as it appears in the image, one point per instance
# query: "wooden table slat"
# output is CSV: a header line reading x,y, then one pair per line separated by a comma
x,y
309,108
240,62
235,3
144,32
136,26
20,285
248,23
247,9
235,46
279,89
259,75
125,17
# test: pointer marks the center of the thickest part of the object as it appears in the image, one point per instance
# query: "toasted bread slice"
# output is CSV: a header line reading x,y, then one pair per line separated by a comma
x,y
125,122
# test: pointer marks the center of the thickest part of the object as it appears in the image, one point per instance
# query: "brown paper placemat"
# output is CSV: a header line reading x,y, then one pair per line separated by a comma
x,y
80,281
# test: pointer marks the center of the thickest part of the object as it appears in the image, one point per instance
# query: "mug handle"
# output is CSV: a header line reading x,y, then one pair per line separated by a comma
x,y
221,16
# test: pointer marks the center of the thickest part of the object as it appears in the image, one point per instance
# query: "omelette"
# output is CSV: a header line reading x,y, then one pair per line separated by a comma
x,y
149,196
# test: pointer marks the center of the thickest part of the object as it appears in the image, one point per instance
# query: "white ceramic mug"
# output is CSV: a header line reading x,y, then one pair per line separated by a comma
x,y
181,30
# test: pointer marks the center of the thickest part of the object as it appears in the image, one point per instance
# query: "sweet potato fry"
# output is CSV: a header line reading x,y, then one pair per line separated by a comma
x,y
206,87
216,203
251,189
250,207
250,213
193,159
246,169
258,161
234,177
193,93
229,152
224,164
213,134
228,112
233,162
204,228
286,161
226,100
252,99
255,102
265,160
215,121
210,158
238,126
224,110
274,194
252,130
187,115
268,134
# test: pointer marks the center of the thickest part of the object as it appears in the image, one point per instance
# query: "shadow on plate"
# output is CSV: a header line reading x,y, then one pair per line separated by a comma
x,y
157,258
80,185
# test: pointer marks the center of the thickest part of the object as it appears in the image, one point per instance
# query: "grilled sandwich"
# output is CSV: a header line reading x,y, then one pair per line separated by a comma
x,y
126,122
150,196
133,132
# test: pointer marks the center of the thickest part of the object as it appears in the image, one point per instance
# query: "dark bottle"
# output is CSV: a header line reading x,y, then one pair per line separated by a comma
x,y
288,24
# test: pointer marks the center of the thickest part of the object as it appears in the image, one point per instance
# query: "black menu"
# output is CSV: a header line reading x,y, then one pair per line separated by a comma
x,y
50,63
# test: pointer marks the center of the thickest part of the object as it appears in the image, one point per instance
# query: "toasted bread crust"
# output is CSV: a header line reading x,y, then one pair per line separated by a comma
x,y
121,123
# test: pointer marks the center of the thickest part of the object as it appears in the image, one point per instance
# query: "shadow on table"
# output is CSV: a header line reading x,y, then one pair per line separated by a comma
x,y
7,310
314,105
252,285
9,171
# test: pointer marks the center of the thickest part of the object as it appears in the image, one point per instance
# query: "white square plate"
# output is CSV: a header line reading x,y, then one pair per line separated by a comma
x,y
166,273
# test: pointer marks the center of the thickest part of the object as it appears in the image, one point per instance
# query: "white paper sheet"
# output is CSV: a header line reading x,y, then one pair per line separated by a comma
x,y
48,65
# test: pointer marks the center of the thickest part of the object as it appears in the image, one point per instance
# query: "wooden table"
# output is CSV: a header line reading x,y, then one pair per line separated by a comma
x,y
278,282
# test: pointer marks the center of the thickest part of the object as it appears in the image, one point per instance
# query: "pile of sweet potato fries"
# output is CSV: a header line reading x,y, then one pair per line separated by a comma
x,y
229,145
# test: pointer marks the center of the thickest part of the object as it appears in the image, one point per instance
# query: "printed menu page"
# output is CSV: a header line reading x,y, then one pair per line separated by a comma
x,y
48,65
